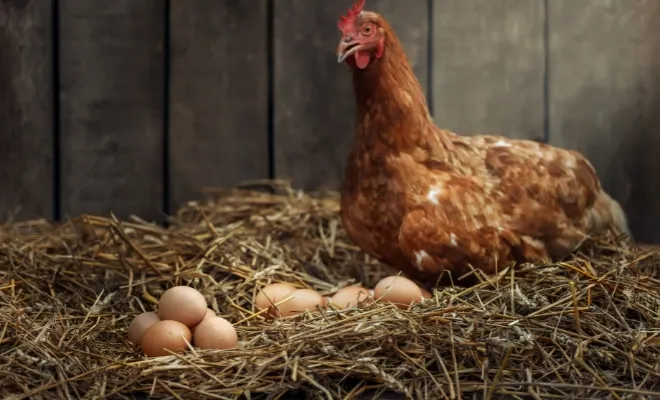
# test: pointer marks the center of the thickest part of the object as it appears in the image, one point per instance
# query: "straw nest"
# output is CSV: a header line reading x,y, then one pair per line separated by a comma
x,y
585,328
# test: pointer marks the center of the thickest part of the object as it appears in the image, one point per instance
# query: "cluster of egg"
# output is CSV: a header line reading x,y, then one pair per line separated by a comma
x,y
183,317
284,300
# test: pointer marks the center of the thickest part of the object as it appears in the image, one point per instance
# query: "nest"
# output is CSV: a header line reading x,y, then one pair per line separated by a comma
x,y
587,327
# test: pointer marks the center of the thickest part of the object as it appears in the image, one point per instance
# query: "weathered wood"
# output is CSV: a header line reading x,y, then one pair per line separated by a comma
x,y
26,110
410,19
604,98
488,74
314,104
218,96
112,103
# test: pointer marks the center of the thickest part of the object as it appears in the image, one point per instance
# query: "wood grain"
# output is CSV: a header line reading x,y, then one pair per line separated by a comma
x,y
314,104
112,103
218,96
26,110
605,96
488,74
410,20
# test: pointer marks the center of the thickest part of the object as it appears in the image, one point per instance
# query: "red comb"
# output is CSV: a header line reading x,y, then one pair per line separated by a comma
x,y
351,15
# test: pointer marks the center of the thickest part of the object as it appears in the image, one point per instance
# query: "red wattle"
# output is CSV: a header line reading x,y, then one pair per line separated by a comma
x,y
362,59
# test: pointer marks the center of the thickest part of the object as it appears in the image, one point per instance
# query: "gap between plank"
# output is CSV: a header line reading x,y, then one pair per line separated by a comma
x,y
546,72
429,59
55,71
270,60
166,110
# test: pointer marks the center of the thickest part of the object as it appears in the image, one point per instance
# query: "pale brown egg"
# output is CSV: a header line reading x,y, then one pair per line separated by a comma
x,y
303,299
426,294
140,324
183,304
397,290
349,296
166,334
271,294
209,313
215,333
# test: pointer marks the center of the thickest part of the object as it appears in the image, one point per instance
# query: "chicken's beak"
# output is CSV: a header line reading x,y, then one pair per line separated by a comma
x,y
346,47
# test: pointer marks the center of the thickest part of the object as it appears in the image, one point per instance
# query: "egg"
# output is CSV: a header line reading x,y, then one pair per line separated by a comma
x,y
349,296
426,294
303,299
397,290
140,324
183,304
215,333
166,334
209,313
273,293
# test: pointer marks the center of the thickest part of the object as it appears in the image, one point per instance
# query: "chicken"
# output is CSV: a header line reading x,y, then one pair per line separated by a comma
x,y
426,200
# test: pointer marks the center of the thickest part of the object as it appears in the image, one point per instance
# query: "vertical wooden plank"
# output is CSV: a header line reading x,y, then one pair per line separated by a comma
x,y
488,72
605,96
26,110
112,97
410,19
314,104
218,96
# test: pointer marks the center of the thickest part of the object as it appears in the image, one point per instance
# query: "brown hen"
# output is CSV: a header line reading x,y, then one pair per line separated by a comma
x,y
426,200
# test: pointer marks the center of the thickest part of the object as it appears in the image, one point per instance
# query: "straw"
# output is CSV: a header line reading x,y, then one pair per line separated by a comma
x,y
587,327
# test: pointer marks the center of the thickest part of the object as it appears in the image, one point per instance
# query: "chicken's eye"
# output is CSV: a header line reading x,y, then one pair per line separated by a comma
x,y
367,30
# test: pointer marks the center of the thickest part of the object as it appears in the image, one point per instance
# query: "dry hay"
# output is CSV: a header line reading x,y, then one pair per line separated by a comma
x,y
587,328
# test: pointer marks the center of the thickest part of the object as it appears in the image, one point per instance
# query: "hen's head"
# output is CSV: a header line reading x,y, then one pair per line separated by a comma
x,y
363,36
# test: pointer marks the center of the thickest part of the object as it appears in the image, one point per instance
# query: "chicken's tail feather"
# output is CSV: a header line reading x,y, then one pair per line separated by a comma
x,y
607,213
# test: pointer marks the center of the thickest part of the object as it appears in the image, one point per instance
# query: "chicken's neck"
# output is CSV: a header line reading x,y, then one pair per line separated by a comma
x,y
391,106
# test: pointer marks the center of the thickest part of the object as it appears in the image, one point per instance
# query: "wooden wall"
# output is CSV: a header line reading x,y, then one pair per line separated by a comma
x,y
134,106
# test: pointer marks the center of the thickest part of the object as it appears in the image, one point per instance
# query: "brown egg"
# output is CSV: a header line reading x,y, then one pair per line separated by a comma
x,y
183,304
140,324
166,334
397,290
349,296
271,294
215,333
209,313
426,294
304,299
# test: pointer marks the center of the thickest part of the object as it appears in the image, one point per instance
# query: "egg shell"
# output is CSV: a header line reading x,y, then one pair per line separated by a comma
x,y
183,304
209,313
271,294
303,299
166,334
215,333
397,290
349,296
140,324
